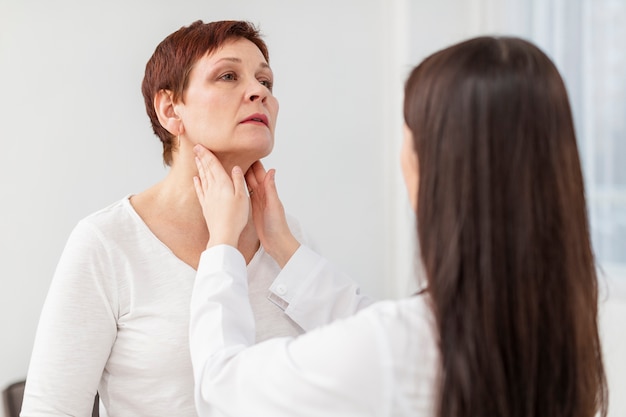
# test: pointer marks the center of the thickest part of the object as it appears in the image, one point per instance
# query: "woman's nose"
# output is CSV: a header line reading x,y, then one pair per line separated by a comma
x,y
255,97
258,92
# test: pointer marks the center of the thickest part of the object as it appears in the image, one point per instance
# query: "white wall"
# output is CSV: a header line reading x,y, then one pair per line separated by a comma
x,y
75,136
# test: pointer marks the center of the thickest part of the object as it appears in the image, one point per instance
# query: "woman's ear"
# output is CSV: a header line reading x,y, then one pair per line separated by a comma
x,y
409,163
166,112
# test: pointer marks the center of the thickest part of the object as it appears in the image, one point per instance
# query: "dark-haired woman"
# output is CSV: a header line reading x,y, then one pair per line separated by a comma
x,y
507,325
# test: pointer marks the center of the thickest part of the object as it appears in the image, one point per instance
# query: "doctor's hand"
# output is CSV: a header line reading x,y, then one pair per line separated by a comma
x,y
224,199
269,215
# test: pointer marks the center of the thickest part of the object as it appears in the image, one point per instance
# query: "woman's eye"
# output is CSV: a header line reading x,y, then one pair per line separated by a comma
x,y
267,83
228,77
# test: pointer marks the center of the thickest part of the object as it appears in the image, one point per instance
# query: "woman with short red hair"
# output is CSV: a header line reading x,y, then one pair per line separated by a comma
x,y
116,319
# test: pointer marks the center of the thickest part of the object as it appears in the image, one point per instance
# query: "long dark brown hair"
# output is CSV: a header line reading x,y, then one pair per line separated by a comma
x,y
503,233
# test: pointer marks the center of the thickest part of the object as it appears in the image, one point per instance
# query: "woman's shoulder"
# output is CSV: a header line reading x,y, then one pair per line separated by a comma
x,y
408,336
410,310
109,213
112,221
404,322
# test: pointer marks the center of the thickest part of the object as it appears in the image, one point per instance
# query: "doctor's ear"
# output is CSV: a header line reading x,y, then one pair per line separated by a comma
x,y
165,108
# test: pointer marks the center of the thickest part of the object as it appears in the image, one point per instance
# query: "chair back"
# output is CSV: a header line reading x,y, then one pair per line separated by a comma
x,y
14,394
12,397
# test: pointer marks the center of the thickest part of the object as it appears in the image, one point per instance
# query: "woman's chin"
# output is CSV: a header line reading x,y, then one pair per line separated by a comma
x,y
245,159
262,149
267,151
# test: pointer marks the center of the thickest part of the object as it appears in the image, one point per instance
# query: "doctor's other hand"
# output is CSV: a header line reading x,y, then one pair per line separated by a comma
x,y
224,200
269,215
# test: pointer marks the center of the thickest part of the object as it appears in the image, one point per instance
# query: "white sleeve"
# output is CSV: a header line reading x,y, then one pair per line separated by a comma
x,y
76,330
333,370
313,292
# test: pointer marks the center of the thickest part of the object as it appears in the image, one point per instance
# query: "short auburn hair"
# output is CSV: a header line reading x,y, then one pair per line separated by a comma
x,y
170,65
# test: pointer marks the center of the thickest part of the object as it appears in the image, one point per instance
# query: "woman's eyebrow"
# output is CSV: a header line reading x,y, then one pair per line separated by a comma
x,y
231,59
239,61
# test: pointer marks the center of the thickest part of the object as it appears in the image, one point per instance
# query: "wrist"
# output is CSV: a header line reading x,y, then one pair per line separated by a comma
x,y
217,240
285,251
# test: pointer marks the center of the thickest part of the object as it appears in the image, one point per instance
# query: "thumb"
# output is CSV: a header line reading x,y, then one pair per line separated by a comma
x,y
269,183
239,181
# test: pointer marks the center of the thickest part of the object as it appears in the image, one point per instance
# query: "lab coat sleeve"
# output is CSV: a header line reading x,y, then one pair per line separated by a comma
x,y
324,372
313,292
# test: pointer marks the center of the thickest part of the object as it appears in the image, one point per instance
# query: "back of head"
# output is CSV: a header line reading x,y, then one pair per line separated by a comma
x,y
503,232
169,66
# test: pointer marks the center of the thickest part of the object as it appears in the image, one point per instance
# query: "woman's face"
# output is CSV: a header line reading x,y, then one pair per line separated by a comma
x,y
409,164
228,104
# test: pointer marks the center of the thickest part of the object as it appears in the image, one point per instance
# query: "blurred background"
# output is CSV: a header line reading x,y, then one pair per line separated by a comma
x,y
75,136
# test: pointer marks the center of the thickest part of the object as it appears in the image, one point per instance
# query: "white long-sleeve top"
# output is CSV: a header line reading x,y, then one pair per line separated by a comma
x,y
116,320
381,361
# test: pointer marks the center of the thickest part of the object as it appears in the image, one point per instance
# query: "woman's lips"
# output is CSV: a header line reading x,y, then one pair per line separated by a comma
x,y
256,118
